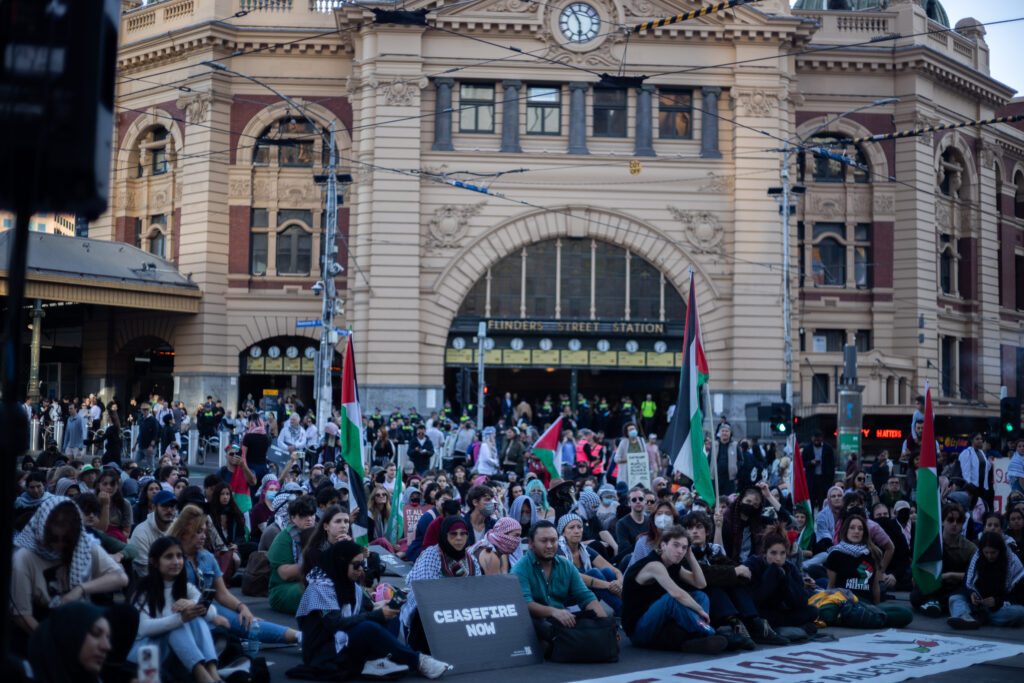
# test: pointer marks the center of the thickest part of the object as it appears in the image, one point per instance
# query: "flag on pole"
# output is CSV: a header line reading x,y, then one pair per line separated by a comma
x,y
240,492
801,497
396,522
684,441
927,567
352,445
358,510
546,446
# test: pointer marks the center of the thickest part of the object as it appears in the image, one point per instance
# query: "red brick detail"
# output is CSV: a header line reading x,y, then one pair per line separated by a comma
x,y
968,275
123,227
238,239
243,111
882,235
176,233
253,283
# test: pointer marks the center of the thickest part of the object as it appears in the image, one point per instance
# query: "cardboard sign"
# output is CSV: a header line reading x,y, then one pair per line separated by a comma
x,y
477,623
392,565
412,514
638,469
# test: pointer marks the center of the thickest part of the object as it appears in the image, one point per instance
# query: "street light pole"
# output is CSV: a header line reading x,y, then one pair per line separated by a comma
x,y
329,267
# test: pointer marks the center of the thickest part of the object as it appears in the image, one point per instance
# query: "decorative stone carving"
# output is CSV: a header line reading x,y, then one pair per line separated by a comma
x,y
401,92
639,8
756,102
298,193
262,189
943,215
159,198
859,204
884,203
449,224
702,228
510,6
196,106
240,188
716,183
989,153
828,205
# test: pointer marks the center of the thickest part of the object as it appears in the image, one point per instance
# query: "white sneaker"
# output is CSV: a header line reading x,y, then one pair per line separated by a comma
x,y
432,668
383,668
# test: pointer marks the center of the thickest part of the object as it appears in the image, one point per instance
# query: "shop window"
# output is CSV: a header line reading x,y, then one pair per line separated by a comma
x,y
835,249
610,112
476,108
675,114
543,110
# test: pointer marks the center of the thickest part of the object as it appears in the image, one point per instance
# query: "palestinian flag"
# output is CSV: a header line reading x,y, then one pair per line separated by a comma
x,y
801,497
546,446
240,492
352,445
396,522
684,440
927,567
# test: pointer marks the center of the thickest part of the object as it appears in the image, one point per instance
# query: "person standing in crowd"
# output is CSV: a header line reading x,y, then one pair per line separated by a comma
x,y
819,466
383,449
658,610
75,431
487,456
1015,470
725,458
977,472
513,455
993,590
629,443
463,441
421,450
648,411
149,435
255,445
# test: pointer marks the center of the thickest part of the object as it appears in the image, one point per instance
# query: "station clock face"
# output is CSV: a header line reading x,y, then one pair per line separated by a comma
x,y
545,344
310,352
660,346
274,351
488,344
632,346
255,352
575,345
516,344
458,343
603,345
292,352
579,22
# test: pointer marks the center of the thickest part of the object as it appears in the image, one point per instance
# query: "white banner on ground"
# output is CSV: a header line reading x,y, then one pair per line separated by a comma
x,y
886,657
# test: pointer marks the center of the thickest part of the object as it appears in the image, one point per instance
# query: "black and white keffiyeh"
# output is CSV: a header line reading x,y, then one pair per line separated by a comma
x,y
31,538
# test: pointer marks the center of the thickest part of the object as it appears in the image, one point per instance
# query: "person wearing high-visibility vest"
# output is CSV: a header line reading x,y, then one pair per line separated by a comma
x,y
648,409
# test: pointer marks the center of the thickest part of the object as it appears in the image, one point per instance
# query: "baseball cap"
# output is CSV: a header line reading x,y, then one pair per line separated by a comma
x,y
163,498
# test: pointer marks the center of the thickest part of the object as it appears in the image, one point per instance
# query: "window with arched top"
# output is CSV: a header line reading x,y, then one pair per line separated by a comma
x,y
952,174
837,254
154,152
828,168
948,264
574,278
289,142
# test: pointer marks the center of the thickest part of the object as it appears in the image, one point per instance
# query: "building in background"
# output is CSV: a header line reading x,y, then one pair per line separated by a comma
x,y
52,223
601,194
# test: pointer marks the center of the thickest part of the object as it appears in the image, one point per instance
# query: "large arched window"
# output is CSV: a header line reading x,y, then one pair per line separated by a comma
x,y
1018,194
294,250
825,169
154,153
290,142
574,278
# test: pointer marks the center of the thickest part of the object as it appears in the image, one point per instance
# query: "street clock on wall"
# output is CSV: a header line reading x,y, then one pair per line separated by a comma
x,y
545,344
603,345
274,351
660,346
575,345
632,346
255,352
516,344
488,344
579,22
458,343
310,352
292,352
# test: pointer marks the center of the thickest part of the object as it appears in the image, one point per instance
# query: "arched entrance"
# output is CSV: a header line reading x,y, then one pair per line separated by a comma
x,y
570,317
272,369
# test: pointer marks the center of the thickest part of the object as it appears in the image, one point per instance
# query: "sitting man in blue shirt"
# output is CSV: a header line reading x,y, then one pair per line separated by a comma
x,y
551,583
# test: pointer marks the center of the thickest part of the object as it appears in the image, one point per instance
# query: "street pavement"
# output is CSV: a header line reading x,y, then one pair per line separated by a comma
x,y
635,660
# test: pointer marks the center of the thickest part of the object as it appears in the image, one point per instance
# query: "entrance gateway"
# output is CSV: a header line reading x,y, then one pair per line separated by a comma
x,y
571,316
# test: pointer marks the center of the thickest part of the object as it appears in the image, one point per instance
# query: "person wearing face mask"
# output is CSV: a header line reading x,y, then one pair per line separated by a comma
x,y
535,490
595,535
606,511
480,518
630,443
494,552
664,516
597,573
523,511
743,523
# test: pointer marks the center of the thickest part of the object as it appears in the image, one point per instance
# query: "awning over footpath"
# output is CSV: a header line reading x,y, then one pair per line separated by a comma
x,y
89,271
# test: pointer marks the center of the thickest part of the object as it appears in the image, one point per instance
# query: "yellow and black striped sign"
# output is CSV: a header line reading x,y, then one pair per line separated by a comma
x,y
710,9
930,129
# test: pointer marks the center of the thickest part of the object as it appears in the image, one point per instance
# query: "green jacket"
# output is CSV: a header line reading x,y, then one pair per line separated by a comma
x,y
565,588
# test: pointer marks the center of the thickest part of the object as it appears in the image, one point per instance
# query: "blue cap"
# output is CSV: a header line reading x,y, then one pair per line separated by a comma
x,y
163,498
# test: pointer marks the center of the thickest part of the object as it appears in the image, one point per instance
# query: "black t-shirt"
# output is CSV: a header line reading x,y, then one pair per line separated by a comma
x,y
853,573
638,598
626,531
256,446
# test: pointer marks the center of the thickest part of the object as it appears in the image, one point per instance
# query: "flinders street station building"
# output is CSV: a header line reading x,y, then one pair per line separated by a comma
x,y
544,169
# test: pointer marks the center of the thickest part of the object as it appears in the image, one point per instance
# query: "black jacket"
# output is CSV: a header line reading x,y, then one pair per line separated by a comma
x,y
318,629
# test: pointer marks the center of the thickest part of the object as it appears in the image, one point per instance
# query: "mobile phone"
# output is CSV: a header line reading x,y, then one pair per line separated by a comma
x,y
207,598
397,600
149,664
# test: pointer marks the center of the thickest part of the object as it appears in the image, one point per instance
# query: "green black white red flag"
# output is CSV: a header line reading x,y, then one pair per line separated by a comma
x,y
684,440
927,567
352,444
546,446
802,498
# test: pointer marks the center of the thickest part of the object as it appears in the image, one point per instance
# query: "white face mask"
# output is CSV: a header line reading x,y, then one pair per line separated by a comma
x,y
663,521
633,433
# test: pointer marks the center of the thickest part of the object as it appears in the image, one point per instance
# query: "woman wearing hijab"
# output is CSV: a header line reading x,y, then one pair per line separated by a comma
x,y
993,591
597,573
56,563
262,512
448,559
487,457
83,633
525,512
827,520
493,552
343,632
537,494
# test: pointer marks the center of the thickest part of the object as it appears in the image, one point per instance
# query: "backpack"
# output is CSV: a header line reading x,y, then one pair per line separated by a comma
x,y
256,579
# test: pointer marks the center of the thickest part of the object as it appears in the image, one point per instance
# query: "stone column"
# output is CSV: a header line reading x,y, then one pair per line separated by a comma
x,y
578,118
644,135
510,116
443,115
709,122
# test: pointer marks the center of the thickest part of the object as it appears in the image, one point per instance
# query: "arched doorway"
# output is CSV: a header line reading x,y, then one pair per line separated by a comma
x,y
570,317
275,368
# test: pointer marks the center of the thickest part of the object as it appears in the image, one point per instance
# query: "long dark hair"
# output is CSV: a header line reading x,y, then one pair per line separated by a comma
x,y
991,576
149,591
231,510
118,497
873,550
313,550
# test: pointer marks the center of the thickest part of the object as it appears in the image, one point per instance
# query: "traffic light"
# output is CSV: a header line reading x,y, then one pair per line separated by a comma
x,y
1009,418
781,419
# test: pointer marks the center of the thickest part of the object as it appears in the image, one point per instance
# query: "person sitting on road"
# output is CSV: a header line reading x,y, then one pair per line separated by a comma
x,y
343,632
993,591
778,589
597,573
495,550
957,553
663,516
285,556
663,605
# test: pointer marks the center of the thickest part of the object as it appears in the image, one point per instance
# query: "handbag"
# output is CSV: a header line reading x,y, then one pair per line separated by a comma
x,y
226,562
592,640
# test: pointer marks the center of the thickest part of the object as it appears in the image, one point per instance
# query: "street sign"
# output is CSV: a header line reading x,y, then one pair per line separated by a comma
x,y
308,323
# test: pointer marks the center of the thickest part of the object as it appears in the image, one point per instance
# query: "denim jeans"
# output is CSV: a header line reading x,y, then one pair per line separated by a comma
x,y
729,602
606,574
191,643
666,608
269,631
1007,615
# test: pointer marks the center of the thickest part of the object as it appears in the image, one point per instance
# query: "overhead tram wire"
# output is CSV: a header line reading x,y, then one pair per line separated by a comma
x,y
687,16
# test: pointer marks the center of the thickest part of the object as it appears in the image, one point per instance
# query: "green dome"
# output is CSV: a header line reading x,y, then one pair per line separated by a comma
x,y
933,7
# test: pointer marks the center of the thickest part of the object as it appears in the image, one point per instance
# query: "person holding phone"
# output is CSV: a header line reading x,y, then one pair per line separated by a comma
x,y
172,616
343,631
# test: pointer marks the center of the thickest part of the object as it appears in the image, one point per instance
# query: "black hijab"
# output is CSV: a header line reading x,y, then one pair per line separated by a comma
x,y
54,646
334,562
442,538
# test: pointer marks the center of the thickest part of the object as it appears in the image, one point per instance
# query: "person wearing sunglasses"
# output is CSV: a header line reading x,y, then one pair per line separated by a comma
x,y
343,630
860,482
635,523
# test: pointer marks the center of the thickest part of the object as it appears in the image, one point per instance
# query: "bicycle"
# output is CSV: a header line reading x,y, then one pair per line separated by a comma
x,y
206,443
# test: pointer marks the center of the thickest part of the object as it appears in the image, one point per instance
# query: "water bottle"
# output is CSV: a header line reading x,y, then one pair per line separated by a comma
x,y
254,639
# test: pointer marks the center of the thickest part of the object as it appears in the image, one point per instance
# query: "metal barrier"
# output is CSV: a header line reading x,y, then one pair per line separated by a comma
x,y
35,433
58,435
